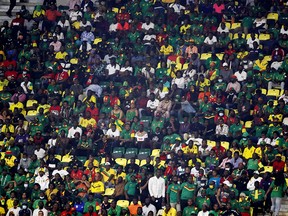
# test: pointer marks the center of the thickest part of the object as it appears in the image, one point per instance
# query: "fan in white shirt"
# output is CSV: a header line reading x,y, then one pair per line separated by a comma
x,y
177,7
113,132
241,74
148,24
74,129
251,40
222,28
156,186
148,207
74,14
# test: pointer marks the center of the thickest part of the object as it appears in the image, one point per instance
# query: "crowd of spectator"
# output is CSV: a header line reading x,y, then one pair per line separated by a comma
x,y
144,108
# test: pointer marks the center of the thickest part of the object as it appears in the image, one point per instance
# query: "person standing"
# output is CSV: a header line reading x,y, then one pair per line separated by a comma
x,y
11,6
277,189
156,187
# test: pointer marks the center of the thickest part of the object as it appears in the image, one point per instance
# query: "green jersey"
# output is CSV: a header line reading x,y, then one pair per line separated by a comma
x,y
187,190
172,191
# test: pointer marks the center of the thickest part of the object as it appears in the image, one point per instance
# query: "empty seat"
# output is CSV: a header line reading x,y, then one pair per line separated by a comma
x,y
118,152
131,153
143,153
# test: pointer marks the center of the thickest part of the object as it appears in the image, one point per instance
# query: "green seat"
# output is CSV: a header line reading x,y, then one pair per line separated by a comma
x,y
144,153
146,120
82,159
131,153
118,152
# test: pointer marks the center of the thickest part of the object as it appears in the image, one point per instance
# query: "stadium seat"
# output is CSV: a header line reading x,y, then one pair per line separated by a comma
x,y
137,161
131,153
273,92
263,37
248,36
268,58
273,16
248,124
285,121
82,158
235,26
123,203
32,113
185,66
155,153
118,152
144,153
109,191
30,103
220,56
211,143
121,161
267,169
146,120
115,10
205,56
264,91
143,162
236,36
228,25
225,144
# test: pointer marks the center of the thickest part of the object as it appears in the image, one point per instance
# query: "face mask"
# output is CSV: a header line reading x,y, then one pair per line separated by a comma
x,y
42,197
221,114
211,186
45,40
25,185
24,159
24,207
220,80
244,138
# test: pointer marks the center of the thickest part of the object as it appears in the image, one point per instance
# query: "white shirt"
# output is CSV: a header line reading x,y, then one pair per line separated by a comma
x,y
26,87
36,211
177,7
180,82
210,41
112,68
65,24
146,26
52,142
113,27
267,140
250,42
124,69
74,14
62,173
250,184
40,154
147,38
14,210
260,22
147,73
276,65
195,172
201,213
42,181
220,30
241,76
141,136
156,187
204,151
82,25
152,104
147,209
72,131
111,133
222,130
283,31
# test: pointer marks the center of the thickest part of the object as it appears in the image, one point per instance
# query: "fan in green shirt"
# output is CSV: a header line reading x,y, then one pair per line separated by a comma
x,y
173,191
131,188
257,195
89,202
243,204
188,190
114,210
203,199
188,210
234,128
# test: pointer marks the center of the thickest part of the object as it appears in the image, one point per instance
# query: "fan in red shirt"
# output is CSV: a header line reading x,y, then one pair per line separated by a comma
x,y
76,173
62,76
93,110
68,210
54,111
9,61
278,164
123,15
10,73
219,150
161,37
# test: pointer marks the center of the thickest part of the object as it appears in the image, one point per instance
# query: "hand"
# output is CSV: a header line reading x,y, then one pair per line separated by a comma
x,y
153,198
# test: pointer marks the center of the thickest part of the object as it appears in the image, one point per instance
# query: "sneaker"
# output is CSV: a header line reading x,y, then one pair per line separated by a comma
x,y
8,14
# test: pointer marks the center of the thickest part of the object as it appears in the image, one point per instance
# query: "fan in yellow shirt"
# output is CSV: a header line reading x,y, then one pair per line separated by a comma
x,y
166,49
84,122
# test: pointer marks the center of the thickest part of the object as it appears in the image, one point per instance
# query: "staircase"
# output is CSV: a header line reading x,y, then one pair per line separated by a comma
x,y
284,207
4,6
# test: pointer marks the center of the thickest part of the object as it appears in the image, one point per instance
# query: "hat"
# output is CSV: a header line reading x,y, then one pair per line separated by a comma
x,y
50,67
225,64
233,77
107,164
278,155
178,138
8,152
242,195
226,182
256,172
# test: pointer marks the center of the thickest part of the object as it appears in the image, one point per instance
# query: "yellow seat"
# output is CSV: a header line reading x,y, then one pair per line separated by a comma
x,y
102,161
109,191
267,58
137,161
286,179
121,161
123,203
228,25
236,36
185,66
248,36
59,157
267,169
115,10
235,26
74,61
155,153
179,66
264,91
263,37
30,103
225,144
248,124
66,158
273,92
281,92
220,56
273,16
97,40
205,56
211,143
275,103
143,162
32,113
